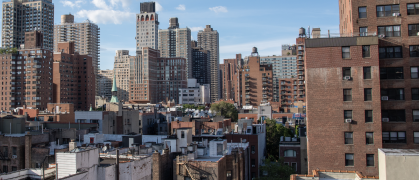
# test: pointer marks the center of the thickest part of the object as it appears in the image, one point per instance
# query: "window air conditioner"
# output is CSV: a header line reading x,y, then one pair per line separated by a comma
x,y
14,156
348,120
381,36
396,14
386,120
347,78
253,152
253,166
384,98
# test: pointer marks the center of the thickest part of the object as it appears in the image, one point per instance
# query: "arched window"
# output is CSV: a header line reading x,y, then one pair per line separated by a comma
x,y
146,18
142,18
290,153
152,18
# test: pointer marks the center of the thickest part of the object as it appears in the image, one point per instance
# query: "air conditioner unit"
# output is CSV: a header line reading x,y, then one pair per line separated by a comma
x,y
386,119
14,156
396,14
418,34
347,78
384,98
253,166
253,152
348,120
381,36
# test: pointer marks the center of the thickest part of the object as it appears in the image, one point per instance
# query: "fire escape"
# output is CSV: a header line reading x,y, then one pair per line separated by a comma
x,y
186,169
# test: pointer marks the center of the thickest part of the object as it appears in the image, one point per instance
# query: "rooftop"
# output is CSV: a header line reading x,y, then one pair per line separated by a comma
x,y
400,152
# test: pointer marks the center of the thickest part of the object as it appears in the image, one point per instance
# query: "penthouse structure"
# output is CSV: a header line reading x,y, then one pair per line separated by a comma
x,y
73,77
147,26
21,16
27,75
86,38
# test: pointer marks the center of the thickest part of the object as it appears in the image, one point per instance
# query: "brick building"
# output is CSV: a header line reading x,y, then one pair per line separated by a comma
x,y
343,104
230,79
27,75
73,77
256,81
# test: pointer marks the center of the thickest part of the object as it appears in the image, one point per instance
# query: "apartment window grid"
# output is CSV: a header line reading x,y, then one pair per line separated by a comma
x,y
347,114
389,31
368,116
394,137
393,94
415,93
414,72
347,95
390,52
362,12
415,115
416,137
346,54
366,51
414,51
391,73
369,138
349,138
346,71
349,159
387,10
367,94
413,29
367,72
412,9
394,115
370,159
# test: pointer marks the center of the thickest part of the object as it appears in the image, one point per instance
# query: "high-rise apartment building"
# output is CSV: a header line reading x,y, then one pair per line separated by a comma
x,y
159,79
73,77
343,97
176,42
105,83
147,26
208,39
230,79
26,77
122,73
20,16
201,70
256,81
86,38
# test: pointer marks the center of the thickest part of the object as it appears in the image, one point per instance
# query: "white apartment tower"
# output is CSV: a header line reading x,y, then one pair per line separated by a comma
x,y
85,36
176,42
208,39
122,73
147,27
20,16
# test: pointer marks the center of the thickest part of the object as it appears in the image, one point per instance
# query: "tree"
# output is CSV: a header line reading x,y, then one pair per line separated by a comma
x,y
275,169
227,110
274,132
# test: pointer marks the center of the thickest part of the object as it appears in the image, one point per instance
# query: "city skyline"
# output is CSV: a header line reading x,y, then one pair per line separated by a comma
x,y
231,20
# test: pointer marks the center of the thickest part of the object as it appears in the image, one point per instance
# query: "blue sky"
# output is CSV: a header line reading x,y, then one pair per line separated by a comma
x,y
241,24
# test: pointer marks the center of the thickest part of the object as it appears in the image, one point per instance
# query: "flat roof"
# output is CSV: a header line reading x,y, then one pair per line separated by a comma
x,y
206,158
400,152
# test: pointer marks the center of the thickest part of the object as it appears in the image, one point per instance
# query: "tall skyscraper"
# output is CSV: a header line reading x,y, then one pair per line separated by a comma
x,y
208,39
26,77
105,83
147,26
122,73
230,79
20,16
201,70
176,42
85,36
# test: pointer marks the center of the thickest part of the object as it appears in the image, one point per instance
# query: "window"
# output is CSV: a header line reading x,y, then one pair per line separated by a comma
x,y
394,115
393,94
363,31
182,134
367,72
290,153
365,51
253,163
416,115
14,168
347,114
367,94
362,12
347,95
368,115
394,137
5,169
390,52
413,29
349,159
253,149
415,94
219,149
346,54
229,174
346,71
389,31
391,73
370,159
369,137
5,151
412,9
416,137
414,51
294,166
388,10
14,151
414,72
349,139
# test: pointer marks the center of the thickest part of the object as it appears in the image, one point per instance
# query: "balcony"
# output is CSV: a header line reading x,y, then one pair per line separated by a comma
x,y
264,79
247,84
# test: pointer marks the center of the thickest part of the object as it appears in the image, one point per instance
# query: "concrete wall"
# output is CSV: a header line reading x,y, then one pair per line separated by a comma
x,y
398,166
89,116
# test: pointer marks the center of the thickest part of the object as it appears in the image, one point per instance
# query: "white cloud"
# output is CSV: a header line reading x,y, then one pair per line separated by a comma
x,y
71,3
101,4
196,29
181,7
103,16
158,7
218,9
125,3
